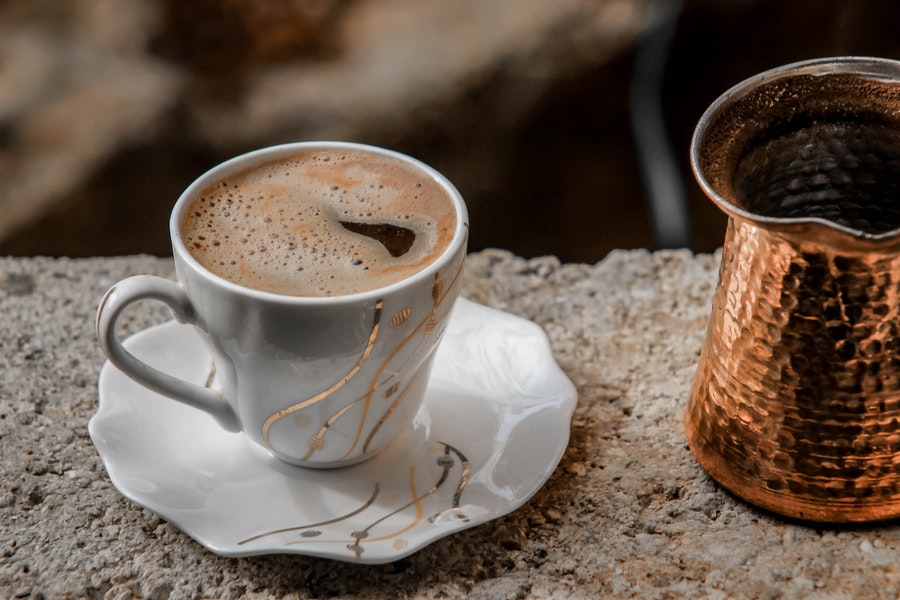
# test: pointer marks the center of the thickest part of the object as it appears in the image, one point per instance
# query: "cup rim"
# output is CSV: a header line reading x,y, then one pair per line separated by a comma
x,y
242,161
869,67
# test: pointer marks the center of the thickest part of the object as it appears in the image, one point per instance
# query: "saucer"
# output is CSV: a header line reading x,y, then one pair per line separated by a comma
x,y
492,428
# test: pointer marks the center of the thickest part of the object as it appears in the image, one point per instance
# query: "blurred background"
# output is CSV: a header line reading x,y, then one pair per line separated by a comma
x,y
565,124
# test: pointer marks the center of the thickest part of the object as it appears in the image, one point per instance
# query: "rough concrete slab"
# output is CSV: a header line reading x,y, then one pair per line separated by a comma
x,y
628,513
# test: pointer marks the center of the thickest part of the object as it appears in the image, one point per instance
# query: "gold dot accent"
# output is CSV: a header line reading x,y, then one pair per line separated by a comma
x,y
400,544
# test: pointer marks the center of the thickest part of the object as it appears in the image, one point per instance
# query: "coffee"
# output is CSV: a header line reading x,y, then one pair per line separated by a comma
x,y
320,224
825,146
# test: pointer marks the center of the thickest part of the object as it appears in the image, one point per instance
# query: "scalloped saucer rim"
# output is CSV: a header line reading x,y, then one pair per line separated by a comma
x,y
492,429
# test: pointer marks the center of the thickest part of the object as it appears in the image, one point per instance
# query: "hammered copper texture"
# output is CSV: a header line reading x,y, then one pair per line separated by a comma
x,y
796,403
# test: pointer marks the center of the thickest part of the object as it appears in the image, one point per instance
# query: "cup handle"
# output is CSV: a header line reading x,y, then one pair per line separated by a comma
x,y
148,287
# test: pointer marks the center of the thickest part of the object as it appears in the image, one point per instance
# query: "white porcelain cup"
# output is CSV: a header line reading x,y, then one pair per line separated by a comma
x,y
321,381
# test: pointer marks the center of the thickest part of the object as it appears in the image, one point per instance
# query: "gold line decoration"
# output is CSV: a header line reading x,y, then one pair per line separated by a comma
x,y
391,409
366,505
446,463
436,296
463,480
416,500
317,442
375,382
357,538
439,294
339,384
210,377
453,281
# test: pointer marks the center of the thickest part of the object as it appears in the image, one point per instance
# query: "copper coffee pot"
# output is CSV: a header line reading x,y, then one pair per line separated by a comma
x,y
796,402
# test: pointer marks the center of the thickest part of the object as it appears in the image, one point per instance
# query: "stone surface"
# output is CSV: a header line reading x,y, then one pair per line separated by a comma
x,y
628,513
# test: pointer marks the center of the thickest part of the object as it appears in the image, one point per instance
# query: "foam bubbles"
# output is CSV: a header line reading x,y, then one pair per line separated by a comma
x,y
278,227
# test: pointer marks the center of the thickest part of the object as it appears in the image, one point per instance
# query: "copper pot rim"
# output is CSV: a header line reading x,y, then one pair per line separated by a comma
x,y
869,67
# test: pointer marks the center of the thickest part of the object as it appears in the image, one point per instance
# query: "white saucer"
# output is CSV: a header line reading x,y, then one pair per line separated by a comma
x,y
492,428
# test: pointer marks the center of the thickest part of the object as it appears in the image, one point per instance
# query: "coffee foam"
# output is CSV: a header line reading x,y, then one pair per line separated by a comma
x,y
276,226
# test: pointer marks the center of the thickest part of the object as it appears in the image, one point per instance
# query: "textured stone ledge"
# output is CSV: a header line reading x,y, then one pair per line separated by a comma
x,y
627,514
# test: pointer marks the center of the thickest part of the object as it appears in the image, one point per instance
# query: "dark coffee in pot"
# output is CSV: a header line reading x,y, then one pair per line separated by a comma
x,y
825,146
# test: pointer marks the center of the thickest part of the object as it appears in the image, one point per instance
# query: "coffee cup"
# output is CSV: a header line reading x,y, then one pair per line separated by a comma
x,y
321,277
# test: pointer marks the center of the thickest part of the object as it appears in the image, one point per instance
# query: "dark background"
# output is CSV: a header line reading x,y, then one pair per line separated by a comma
x,y
563,180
